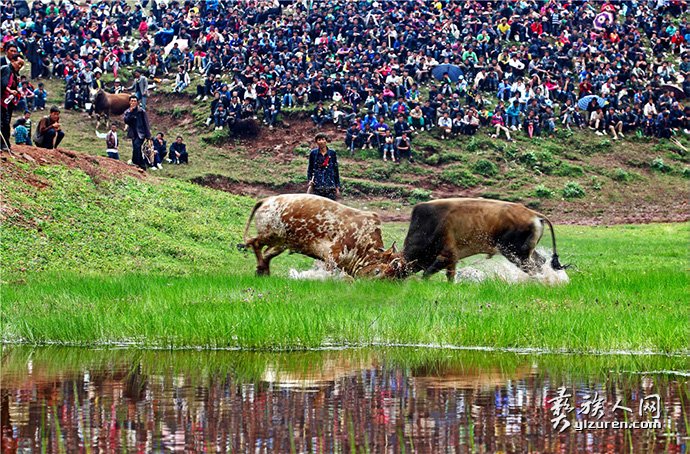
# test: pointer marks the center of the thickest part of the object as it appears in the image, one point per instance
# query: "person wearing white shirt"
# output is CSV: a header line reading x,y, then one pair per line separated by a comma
x,y
445,123
112,142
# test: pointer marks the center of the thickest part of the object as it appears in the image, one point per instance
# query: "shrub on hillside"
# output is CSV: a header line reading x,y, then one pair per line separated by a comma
x,y
573,190
419,195
458,176
543,192
621,175
568,170
603,146
658,164
485,168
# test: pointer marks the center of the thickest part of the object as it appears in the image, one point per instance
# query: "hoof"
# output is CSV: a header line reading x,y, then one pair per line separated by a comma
x,y
263,272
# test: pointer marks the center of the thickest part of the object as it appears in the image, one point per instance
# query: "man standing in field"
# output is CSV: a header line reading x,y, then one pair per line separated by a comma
x,y
138,122
322,174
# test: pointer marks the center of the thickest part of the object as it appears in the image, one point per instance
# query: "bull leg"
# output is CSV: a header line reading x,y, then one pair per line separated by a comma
x,y
271,253
261,266
441,262
450,272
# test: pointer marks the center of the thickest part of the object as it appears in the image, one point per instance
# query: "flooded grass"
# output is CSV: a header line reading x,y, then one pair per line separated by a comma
x,y
598,311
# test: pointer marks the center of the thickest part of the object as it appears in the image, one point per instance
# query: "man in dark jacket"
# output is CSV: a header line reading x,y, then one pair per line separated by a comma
x,y
178,152
138,122
323,174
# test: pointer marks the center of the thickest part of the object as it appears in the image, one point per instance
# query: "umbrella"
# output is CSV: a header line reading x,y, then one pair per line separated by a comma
x,y
453,71
603,20
680,94
181,43
584,101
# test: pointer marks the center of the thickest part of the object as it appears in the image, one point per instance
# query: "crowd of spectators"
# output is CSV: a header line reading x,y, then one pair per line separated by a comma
x,y
514,65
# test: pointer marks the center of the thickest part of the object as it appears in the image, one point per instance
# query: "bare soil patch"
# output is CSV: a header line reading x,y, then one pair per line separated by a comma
x,y
95,166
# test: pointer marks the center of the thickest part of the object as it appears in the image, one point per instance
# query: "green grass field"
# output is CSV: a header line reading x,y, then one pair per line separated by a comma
x,y
154,264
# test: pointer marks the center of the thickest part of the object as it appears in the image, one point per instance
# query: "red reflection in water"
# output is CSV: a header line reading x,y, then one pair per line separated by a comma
x,y
379,408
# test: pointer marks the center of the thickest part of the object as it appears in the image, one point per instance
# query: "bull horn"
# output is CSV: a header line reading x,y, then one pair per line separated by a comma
x,y
393,248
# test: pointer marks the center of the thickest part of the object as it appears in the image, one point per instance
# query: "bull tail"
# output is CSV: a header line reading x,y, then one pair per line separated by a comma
x,y
555,263
243,246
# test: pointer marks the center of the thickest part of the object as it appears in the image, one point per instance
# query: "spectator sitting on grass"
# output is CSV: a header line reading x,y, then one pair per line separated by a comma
x,y
596,122
160,149
40,96
548,121
388,146
381,131
220,116
498,122
182,80
366,136
403,147
429,115
272,105
445,124
27,125
21,134
513,115
178,152
352,136
458,125
568,114
613,123
319,115
531,124
416,118
401,126
471,122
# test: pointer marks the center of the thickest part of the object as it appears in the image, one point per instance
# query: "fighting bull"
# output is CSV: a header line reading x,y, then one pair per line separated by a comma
x,y
107,104
320,228
444,231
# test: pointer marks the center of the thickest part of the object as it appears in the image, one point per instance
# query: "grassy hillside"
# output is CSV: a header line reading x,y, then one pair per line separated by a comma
x,y
152,262
576,175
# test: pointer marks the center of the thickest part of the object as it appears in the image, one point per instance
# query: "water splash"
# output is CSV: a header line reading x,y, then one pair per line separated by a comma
x,y
318,272
498,267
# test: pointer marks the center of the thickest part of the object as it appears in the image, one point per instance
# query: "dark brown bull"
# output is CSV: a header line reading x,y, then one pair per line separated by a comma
x,y
107,105
320,228
446,230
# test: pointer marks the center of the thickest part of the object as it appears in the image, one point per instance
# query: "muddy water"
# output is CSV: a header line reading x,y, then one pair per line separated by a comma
x,y
382,400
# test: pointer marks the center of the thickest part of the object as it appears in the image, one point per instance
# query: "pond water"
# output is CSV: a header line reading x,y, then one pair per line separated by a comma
x,y
359,400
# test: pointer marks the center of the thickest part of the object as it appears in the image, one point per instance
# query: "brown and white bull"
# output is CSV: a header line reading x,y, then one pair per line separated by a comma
x,y
320,228
446,230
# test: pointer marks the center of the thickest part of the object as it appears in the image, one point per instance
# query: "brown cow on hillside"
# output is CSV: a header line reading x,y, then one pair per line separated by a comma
x,y
446,230
107,104
320,228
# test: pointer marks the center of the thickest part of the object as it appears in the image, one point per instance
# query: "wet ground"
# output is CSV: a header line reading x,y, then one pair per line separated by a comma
x,y
382,400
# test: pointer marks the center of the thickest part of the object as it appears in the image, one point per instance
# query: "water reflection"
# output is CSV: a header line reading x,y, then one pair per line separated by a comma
x,y
384,400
